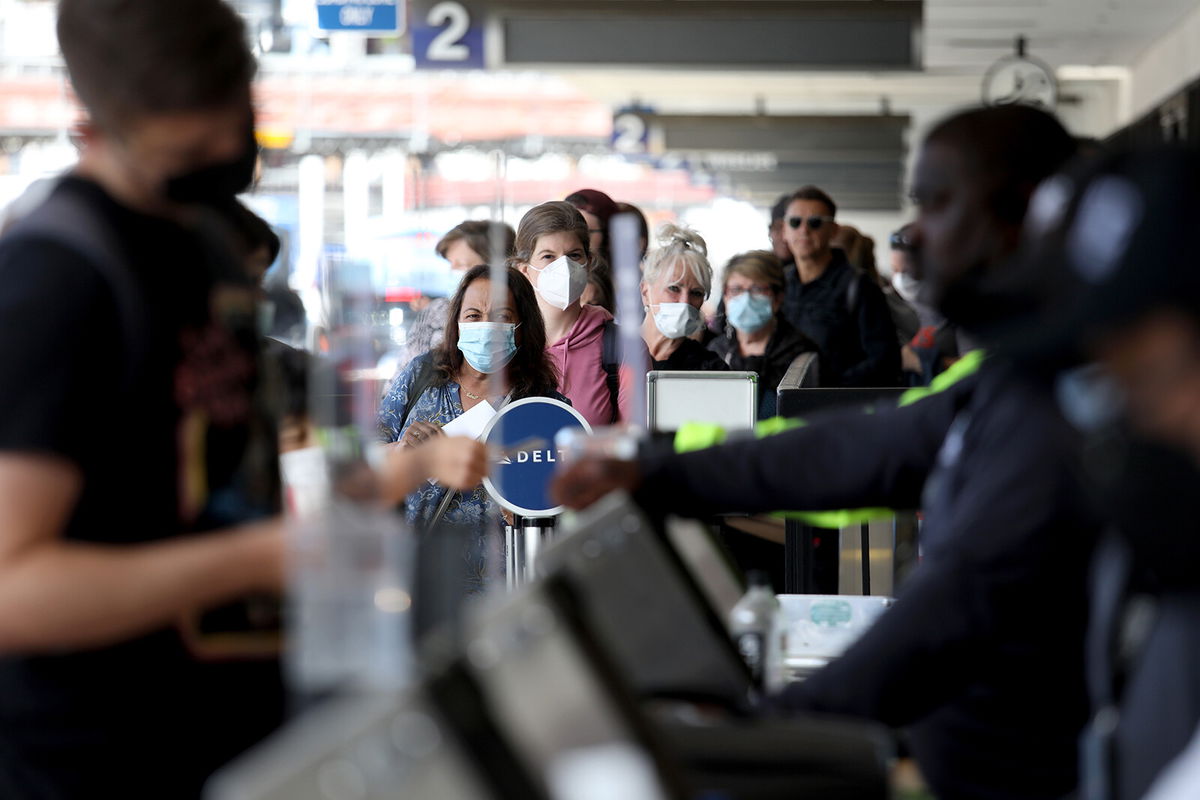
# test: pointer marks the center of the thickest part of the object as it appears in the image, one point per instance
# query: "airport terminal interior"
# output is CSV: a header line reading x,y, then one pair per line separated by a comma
x,y
599,399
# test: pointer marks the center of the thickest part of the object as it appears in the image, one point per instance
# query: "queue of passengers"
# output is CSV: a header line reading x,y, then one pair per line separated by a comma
x,y
771,309
554,333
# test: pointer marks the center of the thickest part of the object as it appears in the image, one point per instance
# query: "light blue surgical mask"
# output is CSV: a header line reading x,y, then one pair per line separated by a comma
x,y
487,346
749,313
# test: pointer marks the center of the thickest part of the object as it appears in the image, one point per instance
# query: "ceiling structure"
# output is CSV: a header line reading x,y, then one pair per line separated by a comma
x,y
960,40
971,34
1091,43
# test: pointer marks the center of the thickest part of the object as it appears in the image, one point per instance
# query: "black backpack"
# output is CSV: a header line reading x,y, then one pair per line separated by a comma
x,y
610,359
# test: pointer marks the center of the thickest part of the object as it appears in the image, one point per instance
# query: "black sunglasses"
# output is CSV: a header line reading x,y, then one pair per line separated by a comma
x,y
814,223
899,241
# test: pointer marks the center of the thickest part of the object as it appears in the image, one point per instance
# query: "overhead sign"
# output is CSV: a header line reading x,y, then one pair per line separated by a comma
x,y
447,35
858,160
631,132
378,16
522,436
784,34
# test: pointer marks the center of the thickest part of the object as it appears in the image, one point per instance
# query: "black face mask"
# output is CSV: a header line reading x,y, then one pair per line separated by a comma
x,y
216,182
970,301
988,300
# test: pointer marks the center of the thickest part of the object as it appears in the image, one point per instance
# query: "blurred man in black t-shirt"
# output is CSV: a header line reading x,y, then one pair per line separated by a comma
x,y
128,418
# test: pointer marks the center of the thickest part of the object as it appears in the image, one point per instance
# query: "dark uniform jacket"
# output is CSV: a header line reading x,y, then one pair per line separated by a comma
x,y
1143,639
982,654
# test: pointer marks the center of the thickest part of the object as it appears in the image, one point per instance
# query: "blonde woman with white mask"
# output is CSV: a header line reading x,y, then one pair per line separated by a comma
x,y
553,252
676,280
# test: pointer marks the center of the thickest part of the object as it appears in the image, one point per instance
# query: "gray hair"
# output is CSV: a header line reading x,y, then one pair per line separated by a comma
x,y
678,243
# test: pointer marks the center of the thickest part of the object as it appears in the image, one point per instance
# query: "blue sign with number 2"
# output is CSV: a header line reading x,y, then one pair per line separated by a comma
x,y
447,38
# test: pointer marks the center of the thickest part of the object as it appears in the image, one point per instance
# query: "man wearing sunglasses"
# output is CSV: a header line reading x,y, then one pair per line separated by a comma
x,y
835,305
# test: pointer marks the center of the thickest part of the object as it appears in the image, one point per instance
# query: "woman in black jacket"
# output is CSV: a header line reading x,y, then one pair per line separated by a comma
x,y
757,338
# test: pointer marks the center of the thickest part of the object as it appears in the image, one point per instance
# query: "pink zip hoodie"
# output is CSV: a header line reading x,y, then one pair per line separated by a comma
x,y
578,356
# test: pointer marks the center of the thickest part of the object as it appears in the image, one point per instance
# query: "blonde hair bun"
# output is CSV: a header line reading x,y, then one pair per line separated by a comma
x,y
670,234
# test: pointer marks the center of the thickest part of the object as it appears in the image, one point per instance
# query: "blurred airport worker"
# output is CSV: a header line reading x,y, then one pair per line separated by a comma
x,y
128,419
138,465
1108,243
990,690
836,305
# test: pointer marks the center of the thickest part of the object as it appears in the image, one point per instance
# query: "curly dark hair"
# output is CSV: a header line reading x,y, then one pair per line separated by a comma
x,y
531,373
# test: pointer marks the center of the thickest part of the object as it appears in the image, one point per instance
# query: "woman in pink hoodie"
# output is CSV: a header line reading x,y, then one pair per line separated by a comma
x,y
552,250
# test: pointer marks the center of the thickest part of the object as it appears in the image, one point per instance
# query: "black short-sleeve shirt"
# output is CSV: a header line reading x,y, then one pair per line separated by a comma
x,y
171,437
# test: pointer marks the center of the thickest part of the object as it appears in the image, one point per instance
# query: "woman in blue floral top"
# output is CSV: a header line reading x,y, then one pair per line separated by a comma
x,y
481,341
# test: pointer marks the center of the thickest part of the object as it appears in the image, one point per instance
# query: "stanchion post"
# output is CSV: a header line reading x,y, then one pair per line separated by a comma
x,y
524,539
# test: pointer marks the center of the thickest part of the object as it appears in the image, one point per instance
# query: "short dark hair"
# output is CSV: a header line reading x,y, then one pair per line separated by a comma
x,y
478,233
812,193
531,373
1013,148
128,58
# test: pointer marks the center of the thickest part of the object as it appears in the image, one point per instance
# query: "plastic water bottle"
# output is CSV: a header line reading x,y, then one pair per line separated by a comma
x,y
350,600
752,624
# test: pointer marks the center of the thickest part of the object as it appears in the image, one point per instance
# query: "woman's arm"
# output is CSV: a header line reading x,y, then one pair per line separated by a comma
x,y
454,461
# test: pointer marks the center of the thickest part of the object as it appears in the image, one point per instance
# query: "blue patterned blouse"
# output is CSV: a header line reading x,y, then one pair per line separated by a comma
x,y
439,405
